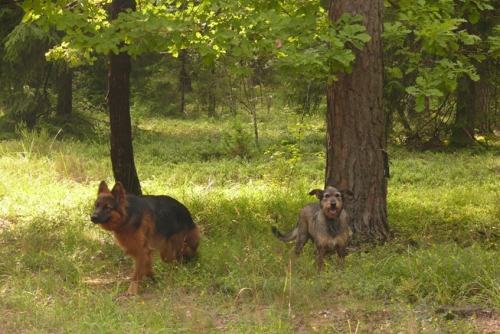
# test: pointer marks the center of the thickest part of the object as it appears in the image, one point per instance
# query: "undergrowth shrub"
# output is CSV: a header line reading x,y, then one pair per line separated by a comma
x,y
238,141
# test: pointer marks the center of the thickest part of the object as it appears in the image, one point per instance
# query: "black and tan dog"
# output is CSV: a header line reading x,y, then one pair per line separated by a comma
x,y
143,224
326,223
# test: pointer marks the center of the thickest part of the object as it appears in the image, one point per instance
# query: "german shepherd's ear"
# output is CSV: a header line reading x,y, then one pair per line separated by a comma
x,y
118,193
103,188
347,194
317,192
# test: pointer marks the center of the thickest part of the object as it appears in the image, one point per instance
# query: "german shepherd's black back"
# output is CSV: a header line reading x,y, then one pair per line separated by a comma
x,y
143,224
170,216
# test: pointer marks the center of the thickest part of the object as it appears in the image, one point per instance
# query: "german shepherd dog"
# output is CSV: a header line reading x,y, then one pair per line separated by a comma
x,y
143,224
326,223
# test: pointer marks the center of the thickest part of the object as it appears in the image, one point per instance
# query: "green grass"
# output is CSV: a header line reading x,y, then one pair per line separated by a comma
x,y
60,273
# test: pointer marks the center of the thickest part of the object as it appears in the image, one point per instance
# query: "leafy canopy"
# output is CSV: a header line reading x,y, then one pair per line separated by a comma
x,y
430,40
296,35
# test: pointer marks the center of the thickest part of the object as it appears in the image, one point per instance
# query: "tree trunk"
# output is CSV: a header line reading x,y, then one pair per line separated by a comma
x,y
64,91
462,134
212,101
482,98
184,79
118,97
356,156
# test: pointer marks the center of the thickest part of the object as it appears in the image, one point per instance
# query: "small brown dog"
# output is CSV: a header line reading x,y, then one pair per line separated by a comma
x,y
143,224
326,223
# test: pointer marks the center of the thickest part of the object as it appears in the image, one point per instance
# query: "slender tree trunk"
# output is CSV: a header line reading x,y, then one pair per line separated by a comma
x,y
212,101
356,135
249,95
232,104
64,91
118,97
184,79
183,90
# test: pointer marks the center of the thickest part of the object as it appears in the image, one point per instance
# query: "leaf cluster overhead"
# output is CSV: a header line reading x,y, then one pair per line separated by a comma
x,y
295,35
435,42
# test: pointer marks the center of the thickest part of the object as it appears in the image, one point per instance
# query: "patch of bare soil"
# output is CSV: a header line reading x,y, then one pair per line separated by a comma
x,y
345,320
487,324
484,320
340,320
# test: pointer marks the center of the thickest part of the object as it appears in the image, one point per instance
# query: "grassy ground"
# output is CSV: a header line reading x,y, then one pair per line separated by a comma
x,y
60,273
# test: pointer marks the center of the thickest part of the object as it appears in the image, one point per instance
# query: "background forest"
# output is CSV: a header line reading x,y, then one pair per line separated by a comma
x,y
441,60
241,143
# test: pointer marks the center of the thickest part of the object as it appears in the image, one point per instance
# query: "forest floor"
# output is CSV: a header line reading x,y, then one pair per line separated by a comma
x,y
59,273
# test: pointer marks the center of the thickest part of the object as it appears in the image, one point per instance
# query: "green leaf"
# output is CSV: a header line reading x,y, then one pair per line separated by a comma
x,y
420,102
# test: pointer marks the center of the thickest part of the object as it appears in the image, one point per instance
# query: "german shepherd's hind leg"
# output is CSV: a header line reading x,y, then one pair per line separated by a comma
x,y
143,267
183,244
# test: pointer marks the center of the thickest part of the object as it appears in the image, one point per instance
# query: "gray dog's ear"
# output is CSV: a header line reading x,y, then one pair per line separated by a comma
x,y
317,192
347,194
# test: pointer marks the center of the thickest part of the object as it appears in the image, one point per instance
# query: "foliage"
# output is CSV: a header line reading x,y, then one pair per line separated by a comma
x,y
295,34
303,95
428,39
155,83
25,72
429,46
436,52
494,40
238,141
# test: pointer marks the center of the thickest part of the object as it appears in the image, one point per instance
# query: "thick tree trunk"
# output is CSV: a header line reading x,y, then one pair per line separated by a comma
x,y
482,98
118,97
462,134
64,91
356,135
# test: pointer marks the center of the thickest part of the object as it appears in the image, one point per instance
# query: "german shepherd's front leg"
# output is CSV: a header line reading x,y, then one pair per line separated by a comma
x,y
143,267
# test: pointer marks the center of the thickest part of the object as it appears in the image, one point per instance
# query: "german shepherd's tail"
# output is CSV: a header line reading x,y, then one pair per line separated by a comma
x,y
285,237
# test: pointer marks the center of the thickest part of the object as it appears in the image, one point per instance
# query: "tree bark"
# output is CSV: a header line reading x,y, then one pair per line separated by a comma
x,y
64,91
462,134
118,97
185,80
482,98
356,156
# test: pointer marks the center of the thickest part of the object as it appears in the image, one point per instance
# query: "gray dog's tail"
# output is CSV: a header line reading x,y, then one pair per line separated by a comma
x,y
285,237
